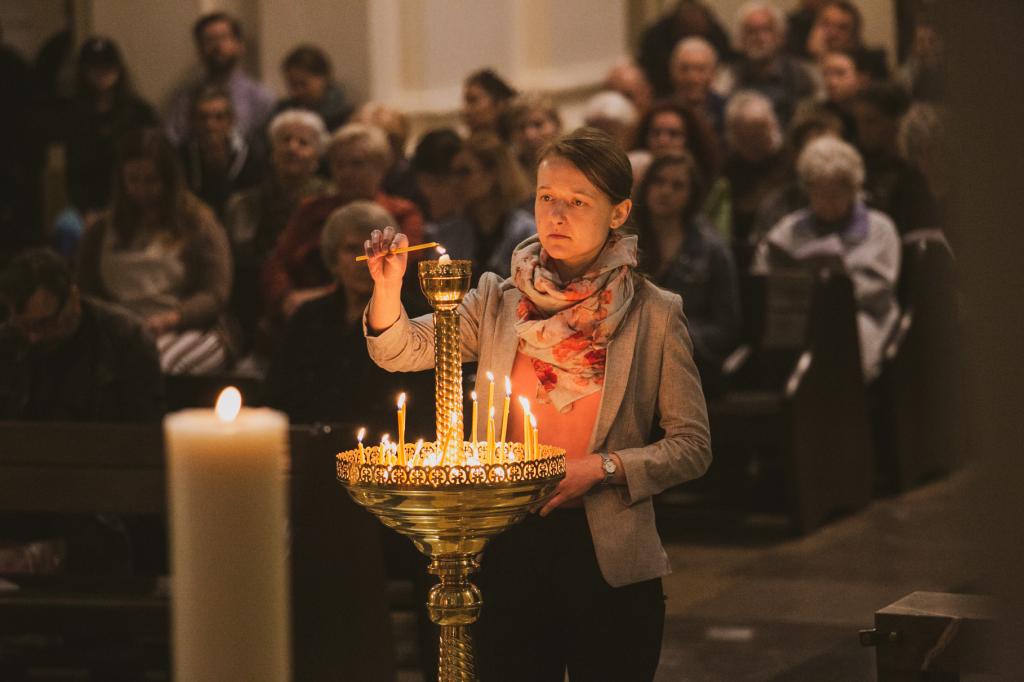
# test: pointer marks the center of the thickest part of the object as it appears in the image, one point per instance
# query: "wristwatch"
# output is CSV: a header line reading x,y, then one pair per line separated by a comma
x,y
608,466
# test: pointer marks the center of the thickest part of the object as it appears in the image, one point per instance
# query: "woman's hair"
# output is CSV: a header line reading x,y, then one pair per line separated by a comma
x,y
701,140
828,159
371,137
491,83
510,186
210,92
100,51
177,205
302,117
642,214
596,154
361,216
435,151
310,59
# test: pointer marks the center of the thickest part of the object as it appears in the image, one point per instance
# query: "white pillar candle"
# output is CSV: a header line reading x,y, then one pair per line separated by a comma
x,y
229,569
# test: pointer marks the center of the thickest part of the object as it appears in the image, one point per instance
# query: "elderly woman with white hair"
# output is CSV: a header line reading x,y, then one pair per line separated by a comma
x,y
359,157
255,217
837,230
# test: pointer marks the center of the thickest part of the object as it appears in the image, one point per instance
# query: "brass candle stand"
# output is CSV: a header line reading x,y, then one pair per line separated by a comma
x,y
451,496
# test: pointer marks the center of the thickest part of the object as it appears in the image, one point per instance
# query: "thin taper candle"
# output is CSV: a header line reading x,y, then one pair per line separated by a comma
x,y
401,429
490,392
362,452
535,443
473,428
404,249
490,436
504,410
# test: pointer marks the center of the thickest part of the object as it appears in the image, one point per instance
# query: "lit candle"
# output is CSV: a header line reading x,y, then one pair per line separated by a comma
x,y
445,258
504,410
535,443
226,489
490,436
362,452
473,428
490,392
385,443
526,426
401,429
419,446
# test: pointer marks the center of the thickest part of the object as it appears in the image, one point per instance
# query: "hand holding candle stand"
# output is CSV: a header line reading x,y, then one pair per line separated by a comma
x,y
226,480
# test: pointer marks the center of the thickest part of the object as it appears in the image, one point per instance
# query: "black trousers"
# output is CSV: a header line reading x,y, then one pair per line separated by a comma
x,y
547,609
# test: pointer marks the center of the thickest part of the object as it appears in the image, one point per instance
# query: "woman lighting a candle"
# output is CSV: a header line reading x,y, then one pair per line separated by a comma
x,y
601,353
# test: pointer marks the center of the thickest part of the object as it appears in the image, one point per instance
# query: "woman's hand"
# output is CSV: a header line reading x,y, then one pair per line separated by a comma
x,y
163,322
386,268
581,474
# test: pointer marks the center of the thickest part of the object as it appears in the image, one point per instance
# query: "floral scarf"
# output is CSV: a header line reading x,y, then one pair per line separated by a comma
x,y
564,328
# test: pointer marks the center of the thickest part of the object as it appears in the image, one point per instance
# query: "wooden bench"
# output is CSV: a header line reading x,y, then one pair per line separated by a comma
x,y
118,627
932,637
921,418
796,407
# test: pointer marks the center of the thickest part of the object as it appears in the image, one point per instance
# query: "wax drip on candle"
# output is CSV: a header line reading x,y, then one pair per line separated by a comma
x,y
229,404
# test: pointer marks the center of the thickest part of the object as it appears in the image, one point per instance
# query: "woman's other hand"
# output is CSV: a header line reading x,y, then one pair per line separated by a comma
x,y
386,268
581,474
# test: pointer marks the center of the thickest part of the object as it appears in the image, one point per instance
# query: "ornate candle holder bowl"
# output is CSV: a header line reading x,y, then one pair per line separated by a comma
x,y
451,496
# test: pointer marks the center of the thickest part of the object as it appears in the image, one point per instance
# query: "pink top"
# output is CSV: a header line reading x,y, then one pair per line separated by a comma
x,y
569,430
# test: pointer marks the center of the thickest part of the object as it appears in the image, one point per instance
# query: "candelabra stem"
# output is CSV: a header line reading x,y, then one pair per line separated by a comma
x,y
448,373
456,664
455,604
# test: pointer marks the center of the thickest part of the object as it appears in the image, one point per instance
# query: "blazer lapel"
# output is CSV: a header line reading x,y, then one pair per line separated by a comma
x,y
503,355
618,364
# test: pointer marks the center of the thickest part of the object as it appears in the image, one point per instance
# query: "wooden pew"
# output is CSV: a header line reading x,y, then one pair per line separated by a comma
x,y
118,627
921,417
797,405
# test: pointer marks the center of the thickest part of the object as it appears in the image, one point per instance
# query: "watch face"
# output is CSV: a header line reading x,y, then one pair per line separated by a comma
x,y
609,466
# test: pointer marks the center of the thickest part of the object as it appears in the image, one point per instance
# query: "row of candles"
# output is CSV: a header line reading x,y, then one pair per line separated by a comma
x,y
485,452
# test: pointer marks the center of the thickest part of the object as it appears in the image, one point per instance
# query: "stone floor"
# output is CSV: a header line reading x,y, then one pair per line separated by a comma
x,y
749,602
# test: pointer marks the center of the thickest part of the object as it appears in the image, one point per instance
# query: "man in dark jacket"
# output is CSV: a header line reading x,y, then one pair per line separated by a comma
x,y
65,357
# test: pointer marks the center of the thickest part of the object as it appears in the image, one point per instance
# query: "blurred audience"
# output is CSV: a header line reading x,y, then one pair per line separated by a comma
x,y
693,68
533,122
217,159
310,79
687,18
485,98
221,47
160,254
923,73
615,114
762,65
921,142
629,80
323,351
756,163
435,179
103,108
493,220
256,217
839,232
359,156
681,252
799,23
398,180
838,27
68,357
842,80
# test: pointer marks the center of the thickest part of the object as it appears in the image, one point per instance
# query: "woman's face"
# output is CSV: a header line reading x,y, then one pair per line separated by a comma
x,y
295,153
305,87
355,174
831,200
534,130
668,191
840,76
474,182
667,134
573,216
353,276
142,183
480,111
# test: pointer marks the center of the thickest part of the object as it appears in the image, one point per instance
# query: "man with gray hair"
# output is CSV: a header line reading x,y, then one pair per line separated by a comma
x,y
692,69
760,36
838,231
755,163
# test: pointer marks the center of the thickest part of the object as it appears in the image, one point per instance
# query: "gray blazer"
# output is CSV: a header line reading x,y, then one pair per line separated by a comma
x,y
649,375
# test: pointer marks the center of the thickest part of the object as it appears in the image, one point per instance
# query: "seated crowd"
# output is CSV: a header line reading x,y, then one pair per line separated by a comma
x,y
224,239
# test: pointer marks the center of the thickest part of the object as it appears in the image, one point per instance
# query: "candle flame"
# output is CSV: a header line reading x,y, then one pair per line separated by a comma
x,y
361,435
229,403
441,250
490,377
508,387
525,403
472,394
492,412
401,401
533,421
